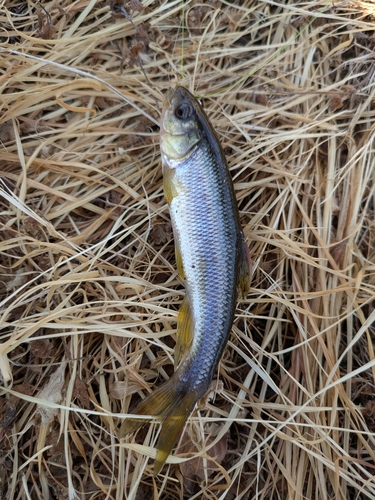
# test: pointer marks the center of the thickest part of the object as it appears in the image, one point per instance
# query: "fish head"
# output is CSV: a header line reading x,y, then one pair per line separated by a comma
x,y
180,128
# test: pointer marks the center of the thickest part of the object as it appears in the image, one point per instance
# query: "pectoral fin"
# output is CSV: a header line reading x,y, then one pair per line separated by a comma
x,y
184,332
169,188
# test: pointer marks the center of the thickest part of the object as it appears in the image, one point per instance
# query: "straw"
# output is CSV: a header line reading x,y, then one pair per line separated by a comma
x,y
89,292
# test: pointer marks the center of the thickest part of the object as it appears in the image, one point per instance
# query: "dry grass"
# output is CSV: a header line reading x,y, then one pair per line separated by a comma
x,y
89,291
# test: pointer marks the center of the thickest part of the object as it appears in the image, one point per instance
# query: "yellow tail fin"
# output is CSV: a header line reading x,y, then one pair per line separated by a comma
x,y
171,404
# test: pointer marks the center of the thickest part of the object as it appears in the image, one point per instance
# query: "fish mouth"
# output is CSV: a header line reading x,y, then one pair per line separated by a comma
x,y
169,97
175,93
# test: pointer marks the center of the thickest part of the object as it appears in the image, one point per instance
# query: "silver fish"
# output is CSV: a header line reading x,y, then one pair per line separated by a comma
x,y
212,259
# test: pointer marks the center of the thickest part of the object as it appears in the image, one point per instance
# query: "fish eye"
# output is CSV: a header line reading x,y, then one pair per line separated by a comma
x,y
183,111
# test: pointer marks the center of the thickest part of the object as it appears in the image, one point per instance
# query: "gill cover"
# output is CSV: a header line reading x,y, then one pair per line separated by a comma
x,y
180,130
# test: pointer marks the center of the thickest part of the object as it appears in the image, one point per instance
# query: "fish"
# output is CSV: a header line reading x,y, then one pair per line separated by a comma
x,y
212,259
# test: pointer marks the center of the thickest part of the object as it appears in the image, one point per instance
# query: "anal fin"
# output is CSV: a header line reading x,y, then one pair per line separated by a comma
x,y
184,334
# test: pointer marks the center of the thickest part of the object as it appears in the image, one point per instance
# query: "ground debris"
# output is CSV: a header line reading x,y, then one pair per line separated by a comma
x,y
52,392
89,290
208,462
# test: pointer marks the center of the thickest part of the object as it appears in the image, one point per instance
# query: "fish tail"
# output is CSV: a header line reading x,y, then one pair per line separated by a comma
x,y
171,404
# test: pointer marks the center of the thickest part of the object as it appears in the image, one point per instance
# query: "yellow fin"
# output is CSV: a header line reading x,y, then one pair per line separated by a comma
x,y
179,263
169,188
155,404
172,425
244,270
172,405
131,425
184,332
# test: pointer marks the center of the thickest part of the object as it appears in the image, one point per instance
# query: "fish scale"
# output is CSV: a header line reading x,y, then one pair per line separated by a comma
x,y
212,259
